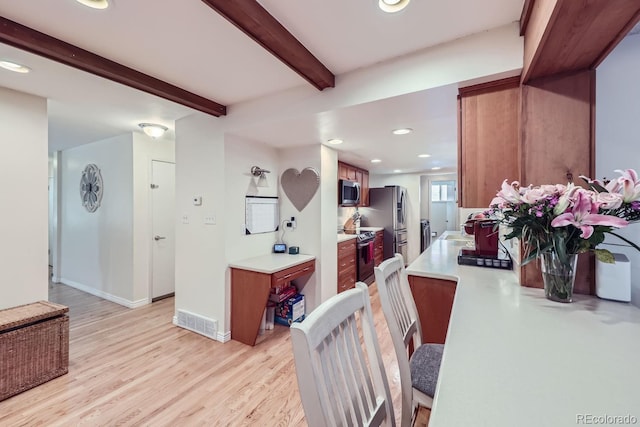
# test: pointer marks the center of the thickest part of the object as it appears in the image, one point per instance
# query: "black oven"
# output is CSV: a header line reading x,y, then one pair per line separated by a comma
x,y
349,193
365,257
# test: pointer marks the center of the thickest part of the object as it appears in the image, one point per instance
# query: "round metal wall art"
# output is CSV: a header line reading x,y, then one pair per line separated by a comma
x,y
91,187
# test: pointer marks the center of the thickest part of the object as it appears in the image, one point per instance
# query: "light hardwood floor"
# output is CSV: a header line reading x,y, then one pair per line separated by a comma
x,y
134,367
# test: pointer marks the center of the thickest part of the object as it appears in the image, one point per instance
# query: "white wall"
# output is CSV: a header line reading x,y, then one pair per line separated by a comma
x,y
240,156
97,248
309,232
200,250
23,185
618,130
411,181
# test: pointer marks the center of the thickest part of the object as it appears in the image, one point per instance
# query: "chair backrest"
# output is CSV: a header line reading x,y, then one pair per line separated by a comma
x,y
400,311
342,380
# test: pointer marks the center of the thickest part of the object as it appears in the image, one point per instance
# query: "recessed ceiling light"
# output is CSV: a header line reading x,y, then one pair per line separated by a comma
x,y
375,160
391,6
12,66
424,156
437,168
95,4
397,170
335,141
402,131
153,130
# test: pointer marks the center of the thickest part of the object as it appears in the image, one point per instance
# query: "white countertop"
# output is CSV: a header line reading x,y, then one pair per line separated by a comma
x,y
271,263
374,229
342,237
514,358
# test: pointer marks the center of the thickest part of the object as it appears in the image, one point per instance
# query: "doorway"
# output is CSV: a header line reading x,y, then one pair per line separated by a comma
x,y
443,207
163,229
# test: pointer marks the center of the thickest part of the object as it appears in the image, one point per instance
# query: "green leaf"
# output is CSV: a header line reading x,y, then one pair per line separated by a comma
x,y
604,255
536,253
626,240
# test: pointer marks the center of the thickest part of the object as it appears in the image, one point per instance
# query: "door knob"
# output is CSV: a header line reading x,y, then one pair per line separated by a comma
x,y
158,237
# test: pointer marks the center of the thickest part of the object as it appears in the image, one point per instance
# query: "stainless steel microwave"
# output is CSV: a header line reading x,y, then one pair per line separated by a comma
x,y
349,193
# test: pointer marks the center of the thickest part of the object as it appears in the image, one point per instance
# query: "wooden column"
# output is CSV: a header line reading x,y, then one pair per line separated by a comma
x,y
558,145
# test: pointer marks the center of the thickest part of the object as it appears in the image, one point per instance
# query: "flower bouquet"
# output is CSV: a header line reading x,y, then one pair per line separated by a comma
x,y
557,222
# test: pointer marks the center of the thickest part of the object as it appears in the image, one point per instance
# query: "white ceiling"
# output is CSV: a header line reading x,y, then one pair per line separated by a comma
x,y
189,45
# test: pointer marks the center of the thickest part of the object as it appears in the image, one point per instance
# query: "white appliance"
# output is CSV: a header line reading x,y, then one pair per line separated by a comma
x,y
613,281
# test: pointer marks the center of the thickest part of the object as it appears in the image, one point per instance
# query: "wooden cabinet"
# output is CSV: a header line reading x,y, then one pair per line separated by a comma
x,y
346,265
434,300
361,176
250,289
488,140
378,248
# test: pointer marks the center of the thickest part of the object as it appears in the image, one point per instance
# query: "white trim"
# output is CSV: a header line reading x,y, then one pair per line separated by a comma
x,y
105,295
223,337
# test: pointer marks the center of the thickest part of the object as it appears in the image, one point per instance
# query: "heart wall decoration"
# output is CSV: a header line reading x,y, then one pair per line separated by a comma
x,y
300,187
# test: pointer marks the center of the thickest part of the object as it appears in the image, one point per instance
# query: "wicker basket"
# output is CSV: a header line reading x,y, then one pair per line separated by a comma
x,y
34,346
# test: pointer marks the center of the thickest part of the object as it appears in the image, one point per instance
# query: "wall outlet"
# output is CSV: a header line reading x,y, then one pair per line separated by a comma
x,y
185,219
292,223
210,220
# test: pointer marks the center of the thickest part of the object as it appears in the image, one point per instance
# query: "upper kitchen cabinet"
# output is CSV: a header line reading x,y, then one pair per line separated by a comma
x,y
356,174
488,140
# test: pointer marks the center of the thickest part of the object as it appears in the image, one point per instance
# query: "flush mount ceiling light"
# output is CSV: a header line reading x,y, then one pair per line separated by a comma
x,y
424,156
402,131
12,66
335,141
95,4
153,130
375,160
397,170
392,6
437,168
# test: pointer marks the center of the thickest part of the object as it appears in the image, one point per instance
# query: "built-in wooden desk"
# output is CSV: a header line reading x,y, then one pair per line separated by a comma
x,y
251,283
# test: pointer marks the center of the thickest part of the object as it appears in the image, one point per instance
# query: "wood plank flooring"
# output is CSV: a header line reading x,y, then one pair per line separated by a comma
x,y
133,367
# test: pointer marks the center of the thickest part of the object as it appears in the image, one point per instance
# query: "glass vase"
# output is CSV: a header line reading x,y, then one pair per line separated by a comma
x,y
558,276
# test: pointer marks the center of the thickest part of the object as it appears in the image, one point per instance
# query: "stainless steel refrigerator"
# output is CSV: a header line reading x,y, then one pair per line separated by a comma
x,y
388,209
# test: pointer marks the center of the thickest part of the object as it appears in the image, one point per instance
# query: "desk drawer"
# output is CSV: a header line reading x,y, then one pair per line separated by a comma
x,y
292,273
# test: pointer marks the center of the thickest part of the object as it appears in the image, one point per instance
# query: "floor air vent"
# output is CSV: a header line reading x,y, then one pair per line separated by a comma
x,y
199,324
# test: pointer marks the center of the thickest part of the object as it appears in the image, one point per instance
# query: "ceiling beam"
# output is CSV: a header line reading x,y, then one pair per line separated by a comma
x,y
250,17
33,41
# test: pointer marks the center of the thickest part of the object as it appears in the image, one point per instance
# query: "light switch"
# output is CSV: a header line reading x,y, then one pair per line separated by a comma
x,y
210,220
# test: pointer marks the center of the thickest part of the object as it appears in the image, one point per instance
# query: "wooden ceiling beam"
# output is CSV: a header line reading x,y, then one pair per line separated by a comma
x,y
252,19
33,41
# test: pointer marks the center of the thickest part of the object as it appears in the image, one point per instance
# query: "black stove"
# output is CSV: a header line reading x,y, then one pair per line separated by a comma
x,y
365,236
365,256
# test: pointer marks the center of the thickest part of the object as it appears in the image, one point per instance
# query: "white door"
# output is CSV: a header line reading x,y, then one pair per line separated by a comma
x,y
163,211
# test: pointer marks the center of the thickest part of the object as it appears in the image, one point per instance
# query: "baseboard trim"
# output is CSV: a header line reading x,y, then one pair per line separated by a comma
x,y
223,337
105,295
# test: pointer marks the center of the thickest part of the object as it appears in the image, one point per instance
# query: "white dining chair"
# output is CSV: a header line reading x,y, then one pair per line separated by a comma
x,y
418,370
341,378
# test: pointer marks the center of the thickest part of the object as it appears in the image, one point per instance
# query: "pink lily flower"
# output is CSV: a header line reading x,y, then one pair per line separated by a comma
x,y
630,185
510,192
584,215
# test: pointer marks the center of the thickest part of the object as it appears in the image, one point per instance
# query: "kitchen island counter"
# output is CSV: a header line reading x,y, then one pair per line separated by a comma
x,y
512,357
